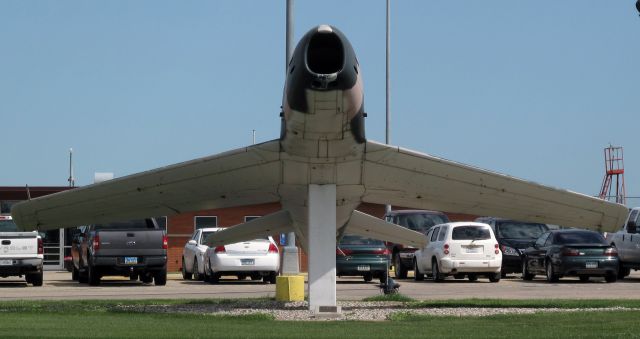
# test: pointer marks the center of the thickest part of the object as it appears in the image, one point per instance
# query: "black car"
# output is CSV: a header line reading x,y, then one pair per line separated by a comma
x,y
513,238
570,252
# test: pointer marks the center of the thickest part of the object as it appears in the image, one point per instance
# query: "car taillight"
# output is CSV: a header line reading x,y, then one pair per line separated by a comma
x,y
570,252
611,252
219,249
381,252
273,248
40,246
165,242
96,243
497,249
446,249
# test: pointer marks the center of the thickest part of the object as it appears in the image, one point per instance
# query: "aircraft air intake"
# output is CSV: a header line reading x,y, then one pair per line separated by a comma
x,y
325,53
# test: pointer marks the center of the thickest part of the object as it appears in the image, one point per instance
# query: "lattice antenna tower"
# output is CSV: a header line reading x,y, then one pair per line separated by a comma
x,y
614,169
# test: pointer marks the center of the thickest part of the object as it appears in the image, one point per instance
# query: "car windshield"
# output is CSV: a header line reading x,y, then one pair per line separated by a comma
x,y
122,225
580,238
470,233
520,230
349,239
8,226
421,222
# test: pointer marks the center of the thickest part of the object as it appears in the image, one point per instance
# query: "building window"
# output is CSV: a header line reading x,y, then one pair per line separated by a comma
x,y
250,217
5,206
205,222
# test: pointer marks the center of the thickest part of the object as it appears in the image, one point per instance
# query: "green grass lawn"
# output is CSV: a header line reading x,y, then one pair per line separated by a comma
x,y
98,319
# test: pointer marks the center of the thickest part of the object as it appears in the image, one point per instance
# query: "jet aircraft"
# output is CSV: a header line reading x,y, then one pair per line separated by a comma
x,y
320,169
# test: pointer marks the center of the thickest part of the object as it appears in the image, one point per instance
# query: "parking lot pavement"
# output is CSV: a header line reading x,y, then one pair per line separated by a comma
x,y
58,285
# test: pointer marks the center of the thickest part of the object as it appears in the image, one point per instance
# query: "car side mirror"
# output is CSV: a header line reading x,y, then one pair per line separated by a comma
x,y
632,227
192,242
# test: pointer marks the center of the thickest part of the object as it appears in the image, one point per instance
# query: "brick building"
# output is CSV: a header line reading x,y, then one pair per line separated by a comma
x,y
179,227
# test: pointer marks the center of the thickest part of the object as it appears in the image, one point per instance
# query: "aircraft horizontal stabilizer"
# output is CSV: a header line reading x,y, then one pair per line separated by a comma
x,y
402,177
279,222
371,227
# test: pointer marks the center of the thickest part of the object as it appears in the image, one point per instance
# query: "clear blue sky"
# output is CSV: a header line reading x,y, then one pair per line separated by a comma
x,y
534,89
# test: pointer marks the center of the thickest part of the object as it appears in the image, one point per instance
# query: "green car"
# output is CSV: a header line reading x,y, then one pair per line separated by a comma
x,y
359,256
571,252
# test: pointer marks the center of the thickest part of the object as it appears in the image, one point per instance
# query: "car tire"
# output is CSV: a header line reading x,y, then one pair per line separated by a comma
x,y
35,278
623,272
526,275
74,273
400,270
185,275
83,277
584,278
472,277
93,276
160,277
551,275
611,277
196,270
367,277
146,278
256,276
435,271
214,278
417,275
270,278
495,277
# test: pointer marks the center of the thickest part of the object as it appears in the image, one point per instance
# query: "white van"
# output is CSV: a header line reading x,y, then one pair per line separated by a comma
x,y
461,249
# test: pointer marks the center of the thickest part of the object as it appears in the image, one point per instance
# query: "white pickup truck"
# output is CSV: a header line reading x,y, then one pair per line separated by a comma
x,y
21,253
627,242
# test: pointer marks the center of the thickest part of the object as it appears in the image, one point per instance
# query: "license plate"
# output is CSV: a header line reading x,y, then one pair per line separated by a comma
x,y
130,260
247,262
364,268
6,262
473,249
591,264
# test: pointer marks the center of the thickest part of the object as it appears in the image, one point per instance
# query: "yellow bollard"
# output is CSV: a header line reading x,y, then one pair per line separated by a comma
x,y
290,288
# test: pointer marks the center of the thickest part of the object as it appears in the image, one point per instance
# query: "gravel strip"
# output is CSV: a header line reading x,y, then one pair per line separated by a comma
x,y
351,310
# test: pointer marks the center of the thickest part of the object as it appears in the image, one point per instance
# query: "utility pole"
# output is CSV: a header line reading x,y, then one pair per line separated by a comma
x,y
387,138
71,180
290,257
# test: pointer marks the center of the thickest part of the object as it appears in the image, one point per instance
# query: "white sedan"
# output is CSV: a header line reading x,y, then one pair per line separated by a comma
x,y
193,254
258,259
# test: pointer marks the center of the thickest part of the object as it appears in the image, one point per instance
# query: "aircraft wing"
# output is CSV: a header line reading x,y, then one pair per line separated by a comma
x,y
402,177
244,176
278,222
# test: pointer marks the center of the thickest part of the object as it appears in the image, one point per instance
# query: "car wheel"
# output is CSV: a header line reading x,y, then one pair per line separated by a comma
x,y
435,271
160,277
551,275
74,273
526,275
400,270
146,278
271,278
185,275
196,270
417,275
256,276
83,277
35,278
214,278
584,278
495,277
610,277
623,272
472,277
93,276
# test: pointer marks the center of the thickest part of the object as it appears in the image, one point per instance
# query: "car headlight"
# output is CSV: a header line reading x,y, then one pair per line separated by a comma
x,y
506,250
